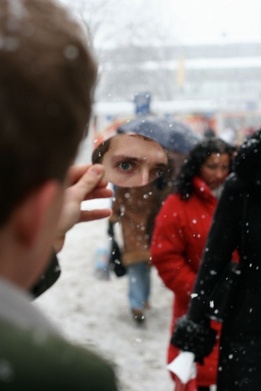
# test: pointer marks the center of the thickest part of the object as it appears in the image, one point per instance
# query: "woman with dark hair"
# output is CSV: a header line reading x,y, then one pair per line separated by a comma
x,y
199,158
181,229
236,225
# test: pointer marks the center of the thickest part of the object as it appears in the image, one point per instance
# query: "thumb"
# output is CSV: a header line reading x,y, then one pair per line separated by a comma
x,y
96,170
89,180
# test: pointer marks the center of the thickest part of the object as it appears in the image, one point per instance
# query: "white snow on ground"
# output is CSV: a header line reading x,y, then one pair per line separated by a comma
x,y
95,313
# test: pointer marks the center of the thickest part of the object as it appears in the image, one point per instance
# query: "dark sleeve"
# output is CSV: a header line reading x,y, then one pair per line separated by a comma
x,y
53,364
47,279
223,239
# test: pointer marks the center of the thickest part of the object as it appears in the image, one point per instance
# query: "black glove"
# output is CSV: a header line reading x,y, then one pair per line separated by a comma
x,y
198,338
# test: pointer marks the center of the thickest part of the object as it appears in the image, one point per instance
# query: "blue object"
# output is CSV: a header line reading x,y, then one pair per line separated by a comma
x,y
142,103
169,133
139,284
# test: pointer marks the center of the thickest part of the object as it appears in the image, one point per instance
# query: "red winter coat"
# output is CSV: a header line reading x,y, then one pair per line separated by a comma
x,y
179,237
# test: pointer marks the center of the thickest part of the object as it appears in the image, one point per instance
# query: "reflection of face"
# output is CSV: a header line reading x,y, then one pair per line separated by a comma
x,y
133,160
215,169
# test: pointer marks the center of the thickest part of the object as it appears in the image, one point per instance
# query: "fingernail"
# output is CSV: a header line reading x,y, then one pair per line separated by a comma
x,y
97,170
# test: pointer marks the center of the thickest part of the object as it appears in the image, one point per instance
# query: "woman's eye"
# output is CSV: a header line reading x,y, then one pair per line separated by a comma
x,y
214,167
225,168
211,166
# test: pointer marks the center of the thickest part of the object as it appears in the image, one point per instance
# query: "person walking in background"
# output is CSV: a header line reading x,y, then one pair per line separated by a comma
x,y
236,225
181,229
142,177
135,209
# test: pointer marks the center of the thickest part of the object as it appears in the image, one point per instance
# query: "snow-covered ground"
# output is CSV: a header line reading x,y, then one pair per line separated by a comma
x,y
95,313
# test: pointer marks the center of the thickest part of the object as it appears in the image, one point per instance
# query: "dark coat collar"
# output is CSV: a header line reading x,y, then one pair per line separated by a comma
x,y
247,164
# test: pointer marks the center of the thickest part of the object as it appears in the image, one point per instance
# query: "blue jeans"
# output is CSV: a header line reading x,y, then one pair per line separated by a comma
x,y
139,284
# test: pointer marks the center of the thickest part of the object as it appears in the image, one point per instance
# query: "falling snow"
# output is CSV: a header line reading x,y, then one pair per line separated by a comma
x,y
95,313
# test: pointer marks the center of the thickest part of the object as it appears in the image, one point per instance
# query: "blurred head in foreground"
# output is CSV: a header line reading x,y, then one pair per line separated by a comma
x,y
47,77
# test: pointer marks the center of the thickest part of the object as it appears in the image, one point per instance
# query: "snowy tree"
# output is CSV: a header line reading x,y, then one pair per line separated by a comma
x,y
129,39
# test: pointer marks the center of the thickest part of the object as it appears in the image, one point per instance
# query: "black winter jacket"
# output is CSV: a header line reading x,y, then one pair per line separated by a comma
x,y
237,225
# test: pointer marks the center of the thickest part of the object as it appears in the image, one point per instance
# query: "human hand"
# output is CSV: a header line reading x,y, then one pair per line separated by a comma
x,y
197,338
85,183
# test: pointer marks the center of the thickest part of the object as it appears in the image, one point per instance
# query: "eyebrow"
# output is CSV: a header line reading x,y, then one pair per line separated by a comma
x,y
134,160
126,157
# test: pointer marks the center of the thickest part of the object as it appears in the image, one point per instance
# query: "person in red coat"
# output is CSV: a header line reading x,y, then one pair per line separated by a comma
x,y
181,230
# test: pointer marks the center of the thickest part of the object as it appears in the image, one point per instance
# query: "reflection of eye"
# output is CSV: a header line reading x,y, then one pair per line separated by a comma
x,y
159,172
125,166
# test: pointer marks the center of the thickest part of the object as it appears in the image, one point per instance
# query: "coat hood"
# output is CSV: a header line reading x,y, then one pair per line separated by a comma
x,y
247,163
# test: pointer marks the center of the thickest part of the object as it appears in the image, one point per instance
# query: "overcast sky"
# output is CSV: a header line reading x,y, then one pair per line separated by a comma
x,y
216,20
178,21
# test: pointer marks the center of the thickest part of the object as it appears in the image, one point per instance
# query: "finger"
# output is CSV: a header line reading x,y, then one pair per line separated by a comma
x,y
95,214
102,183
99,193
89,181
76,172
